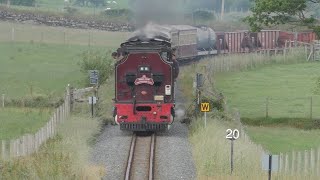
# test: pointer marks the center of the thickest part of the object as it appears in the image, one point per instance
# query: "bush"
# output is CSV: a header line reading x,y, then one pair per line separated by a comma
x,y
95,60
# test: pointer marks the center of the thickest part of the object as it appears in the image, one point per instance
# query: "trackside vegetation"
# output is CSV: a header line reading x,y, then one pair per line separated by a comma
x,y
67,156
210,148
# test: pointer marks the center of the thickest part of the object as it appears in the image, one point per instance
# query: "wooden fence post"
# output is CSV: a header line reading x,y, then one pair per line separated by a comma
x,y
286,164
23,145
312,161
318,162
3,150
280,162
299,163
306,162
293,159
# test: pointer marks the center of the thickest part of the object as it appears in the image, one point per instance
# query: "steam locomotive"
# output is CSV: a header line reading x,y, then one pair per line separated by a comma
x,y
148,65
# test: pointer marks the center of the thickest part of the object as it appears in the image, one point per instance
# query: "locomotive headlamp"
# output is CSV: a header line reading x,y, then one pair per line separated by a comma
x,y
144,69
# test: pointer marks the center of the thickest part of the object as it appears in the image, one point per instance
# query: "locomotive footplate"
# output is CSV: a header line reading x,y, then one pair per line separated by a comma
x,y
144,126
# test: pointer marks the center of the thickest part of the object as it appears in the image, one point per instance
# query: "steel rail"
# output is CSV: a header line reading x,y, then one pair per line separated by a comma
x,y
151,157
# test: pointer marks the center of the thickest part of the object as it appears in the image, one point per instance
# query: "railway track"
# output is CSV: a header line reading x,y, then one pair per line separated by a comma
x,y
140,164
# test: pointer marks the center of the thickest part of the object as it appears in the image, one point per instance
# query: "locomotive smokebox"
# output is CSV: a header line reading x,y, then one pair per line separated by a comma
x,y
206,38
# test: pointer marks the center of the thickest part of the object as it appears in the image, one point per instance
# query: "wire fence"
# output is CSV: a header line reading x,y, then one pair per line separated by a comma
x,y
282,107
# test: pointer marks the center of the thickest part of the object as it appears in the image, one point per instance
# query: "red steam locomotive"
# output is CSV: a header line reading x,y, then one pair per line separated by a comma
x,y
144,84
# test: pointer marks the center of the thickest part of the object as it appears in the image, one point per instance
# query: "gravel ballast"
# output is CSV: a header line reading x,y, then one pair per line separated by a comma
x,y
173,157
111,150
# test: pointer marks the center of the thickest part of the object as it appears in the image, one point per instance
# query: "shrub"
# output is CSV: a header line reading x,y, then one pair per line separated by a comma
x,y
95,60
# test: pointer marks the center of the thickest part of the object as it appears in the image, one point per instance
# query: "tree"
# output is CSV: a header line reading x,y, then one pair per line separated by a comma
x,y
276,12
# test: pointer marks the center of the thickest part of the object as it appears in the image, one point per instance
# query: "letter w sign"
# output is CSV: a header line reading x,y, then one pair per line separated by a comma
x,y
205,107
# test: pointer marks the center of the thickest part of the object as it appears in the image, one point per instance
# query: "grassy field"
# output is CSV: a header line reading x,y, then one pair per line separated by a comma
x,y
38,68
28,65
17,121
289,88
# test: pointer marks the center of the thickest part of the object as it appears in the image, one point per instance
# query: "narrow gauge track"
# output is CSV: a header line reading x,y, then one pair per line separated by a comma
x,y
140,164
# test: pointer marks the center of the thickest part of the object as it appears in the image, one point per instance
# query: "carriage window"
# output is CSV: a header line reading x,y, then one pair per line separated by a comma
x,y
164,55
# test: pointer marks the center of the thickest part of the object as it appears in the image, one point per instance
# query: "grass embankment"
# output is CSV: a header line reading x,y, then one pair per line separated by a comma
x,y
210,148
64,157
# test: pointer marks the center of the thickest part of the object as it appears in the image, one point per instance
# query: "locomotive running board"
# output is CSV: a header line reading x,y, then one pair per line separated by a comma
x,y
143,127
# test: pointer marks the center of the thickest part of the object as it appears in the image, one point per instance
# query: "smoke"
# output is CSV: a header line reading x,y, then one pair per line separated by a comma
x,y
151,30
158,11
180,113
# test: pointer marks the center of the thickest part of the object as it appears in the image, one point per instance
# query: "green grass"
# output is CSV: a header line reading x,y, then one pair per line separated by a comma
x,y
38,68
284,139
16,122
288,87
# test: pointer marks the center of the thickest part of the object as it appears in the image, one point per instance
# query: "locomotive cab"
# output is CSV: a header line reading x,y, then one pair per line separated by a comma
x,y
144,85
